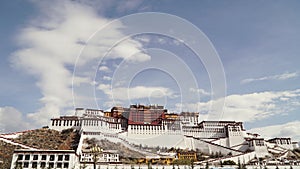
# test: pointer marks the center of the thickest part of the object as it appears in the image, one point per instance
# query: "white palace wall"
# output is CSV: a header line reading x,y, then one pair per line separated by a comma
x,y
65,123
94,124
204,132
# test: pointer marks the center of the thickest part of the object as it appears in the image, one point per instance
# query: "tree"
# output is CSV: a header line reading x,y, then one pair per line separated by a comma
x,y
192,164
207,166
239,164
182,162
229,162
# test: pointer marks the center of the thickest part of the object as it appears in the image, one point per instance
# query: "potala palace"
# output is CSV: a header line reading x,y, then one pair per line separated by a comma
x,y
153,126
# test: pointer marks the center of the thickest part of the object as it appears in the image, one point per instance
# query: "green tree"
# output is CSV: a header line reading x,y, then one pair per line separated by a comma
x,y
182,162
239,164
192,164
229,162
207,166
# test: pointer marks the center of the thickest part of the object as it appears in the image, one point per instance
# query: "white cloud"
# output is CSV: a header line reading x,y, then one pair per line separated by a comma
x,y
161,40
131,51
283,76
79,80
290,129
247,107
106,78
12,120
136,92
178,42
50,43
143,38
104,69
127,5
200,91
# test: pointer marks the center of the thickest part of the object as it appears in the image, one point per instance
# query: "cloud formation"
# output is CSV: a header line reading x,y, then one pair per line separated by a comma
x,y
248,107
283,76
290,129
104,69
200,91
12,120
137,92
50,43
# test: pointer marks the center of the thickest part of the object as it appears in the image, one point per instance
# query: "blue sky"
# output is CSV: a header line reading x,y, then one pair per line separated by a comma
x,y
257,42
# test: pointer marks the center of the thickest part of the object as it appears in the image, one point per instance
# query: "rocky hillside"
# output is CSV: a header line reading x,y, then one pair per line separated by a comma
x,y
6,151
50,139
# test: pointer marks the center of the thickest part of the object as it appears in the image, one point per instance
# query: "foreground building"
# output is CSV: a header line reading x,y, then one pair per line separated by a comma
x,y
24,158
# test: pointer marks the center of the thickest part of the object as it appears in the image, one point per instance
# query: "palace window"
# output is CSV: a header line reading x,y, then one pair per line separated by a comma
x,y
44,157
51,165
60,157
52,157
259,142
67,157
27,157
34,165
59,165
26,165
66,165
43,164
35,157
20,157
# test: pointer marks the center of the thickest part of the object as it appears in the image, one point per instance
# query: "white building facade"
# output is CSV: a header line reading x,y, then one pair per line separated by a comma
x,y
168,130
41,159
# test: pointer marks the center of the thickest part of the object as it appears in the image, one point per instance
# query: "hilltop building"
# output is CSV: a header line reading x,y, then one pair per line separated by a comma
x,y
24,158
153,126
140,124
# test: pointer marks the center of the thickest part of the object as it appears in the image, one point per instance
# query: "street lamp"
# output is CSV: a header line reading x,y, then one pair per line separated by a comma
x,y
96,150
